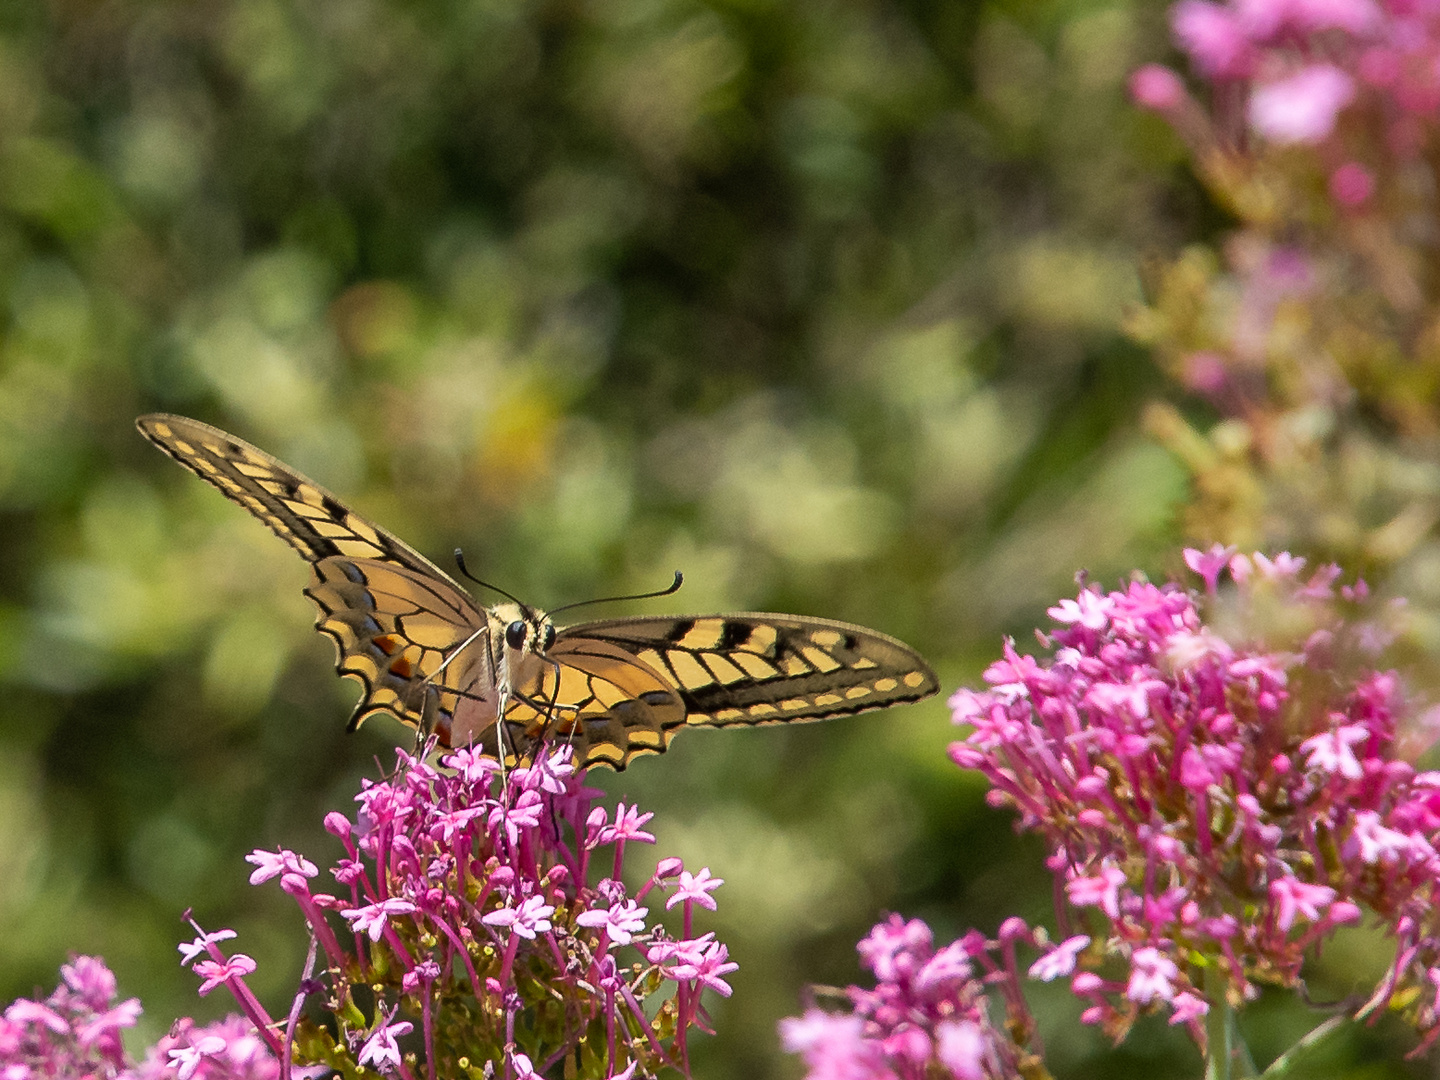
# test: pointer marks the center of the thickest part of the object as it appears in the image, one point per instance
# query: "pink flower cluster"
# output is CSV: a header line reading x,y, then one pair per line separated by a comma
x,y
1216,797
928,1015
75,1033
1300,65
466,930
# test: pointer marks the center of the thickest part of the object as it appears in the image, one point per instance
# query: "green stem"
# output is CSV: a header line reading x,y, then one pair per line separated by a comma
x,y
1281,1065
1228,1058
1244,1062
1218,1030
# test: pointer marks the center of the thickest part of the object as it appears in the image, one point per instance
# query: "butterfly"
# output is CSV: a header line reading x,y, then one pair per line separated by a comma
x,y
427,654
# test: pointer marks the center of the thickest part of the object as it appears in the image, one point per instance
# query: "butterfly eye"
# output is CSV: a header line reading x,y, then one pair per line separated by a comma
x,y
549,637
515,635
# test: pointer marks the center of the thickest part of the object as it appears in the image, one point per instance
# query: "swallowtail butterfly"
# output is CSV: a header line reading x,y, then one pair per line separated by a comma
x,y
427,654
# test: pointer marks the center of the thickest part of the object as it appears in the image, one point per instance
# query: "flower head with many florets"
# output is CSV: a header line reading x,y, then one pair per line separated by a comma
x,y
486,924
1217,796
1222,780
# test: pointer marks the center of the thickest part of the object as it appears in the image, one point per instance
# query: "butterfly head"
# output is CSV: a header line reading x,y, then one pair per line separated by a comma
x,y
528,631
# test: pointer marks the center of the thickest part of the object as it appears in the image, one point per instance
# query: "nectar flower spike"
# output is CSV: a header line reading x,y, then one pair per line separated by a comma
x,y
469,906
1221,784
1179,771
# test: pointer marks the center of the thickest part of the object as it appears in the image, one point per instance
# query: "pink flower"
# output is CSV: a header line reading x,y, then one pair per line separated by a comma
x,y
88,977
1331,753
1089,609
621,922
380,1048
187,1059
1302,107
961,1047
1375,843
1352,185
1188,1008
202,945
1152,975
271,864
215,973
695,889
530,918
472,890
1060,960
928,1014
627,826
1156,87
1293,898
1264,766
109,1022
1213,37
372,918
834,1047
32,1012
1101,890
948,967
703,960
1267,20
892,946
1209,564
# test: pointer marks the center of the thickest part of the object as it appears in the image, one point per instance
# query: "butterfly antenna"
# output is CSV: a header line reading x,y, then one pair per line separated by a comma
x,y
673,587
460,562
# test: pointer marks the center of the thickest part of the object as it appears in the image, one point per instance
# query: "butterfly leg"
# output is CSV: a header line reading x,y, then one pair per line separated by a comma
x,y
500,711
429,714
547,704
495,679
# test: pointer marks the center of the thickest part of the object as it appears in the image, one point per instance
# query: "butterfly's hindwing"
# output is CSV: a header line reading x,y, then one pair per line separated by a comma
x,y
759,668
608,704
393,629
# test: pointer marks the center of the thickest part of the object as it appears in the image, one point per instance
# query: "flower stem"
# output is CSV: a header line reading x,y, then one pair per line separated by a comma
x,y
1281,1065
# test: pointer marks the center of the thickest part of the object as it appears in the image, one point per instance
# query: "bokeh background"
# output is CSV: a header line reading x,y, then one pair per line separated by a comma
x,y
817,302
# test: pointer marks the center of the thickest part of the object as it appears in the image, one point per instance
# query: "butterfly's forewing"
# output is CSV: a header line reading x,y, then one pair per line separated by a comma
x,y
299,511
756,668
392,613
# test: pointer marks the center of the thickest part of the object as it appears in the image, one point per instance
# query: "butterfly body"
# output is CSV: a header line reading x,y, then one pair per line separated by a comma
x,y
427,654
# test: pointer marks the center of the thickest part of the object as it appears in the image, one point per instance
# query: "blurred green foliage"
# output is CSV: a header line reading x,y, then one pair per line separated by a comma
x,y
816,302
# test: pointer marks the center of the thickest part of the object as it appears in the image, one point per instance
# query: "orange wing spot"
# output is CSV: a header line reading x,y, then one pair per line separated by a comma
x,y
402,667
388,644
567,727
